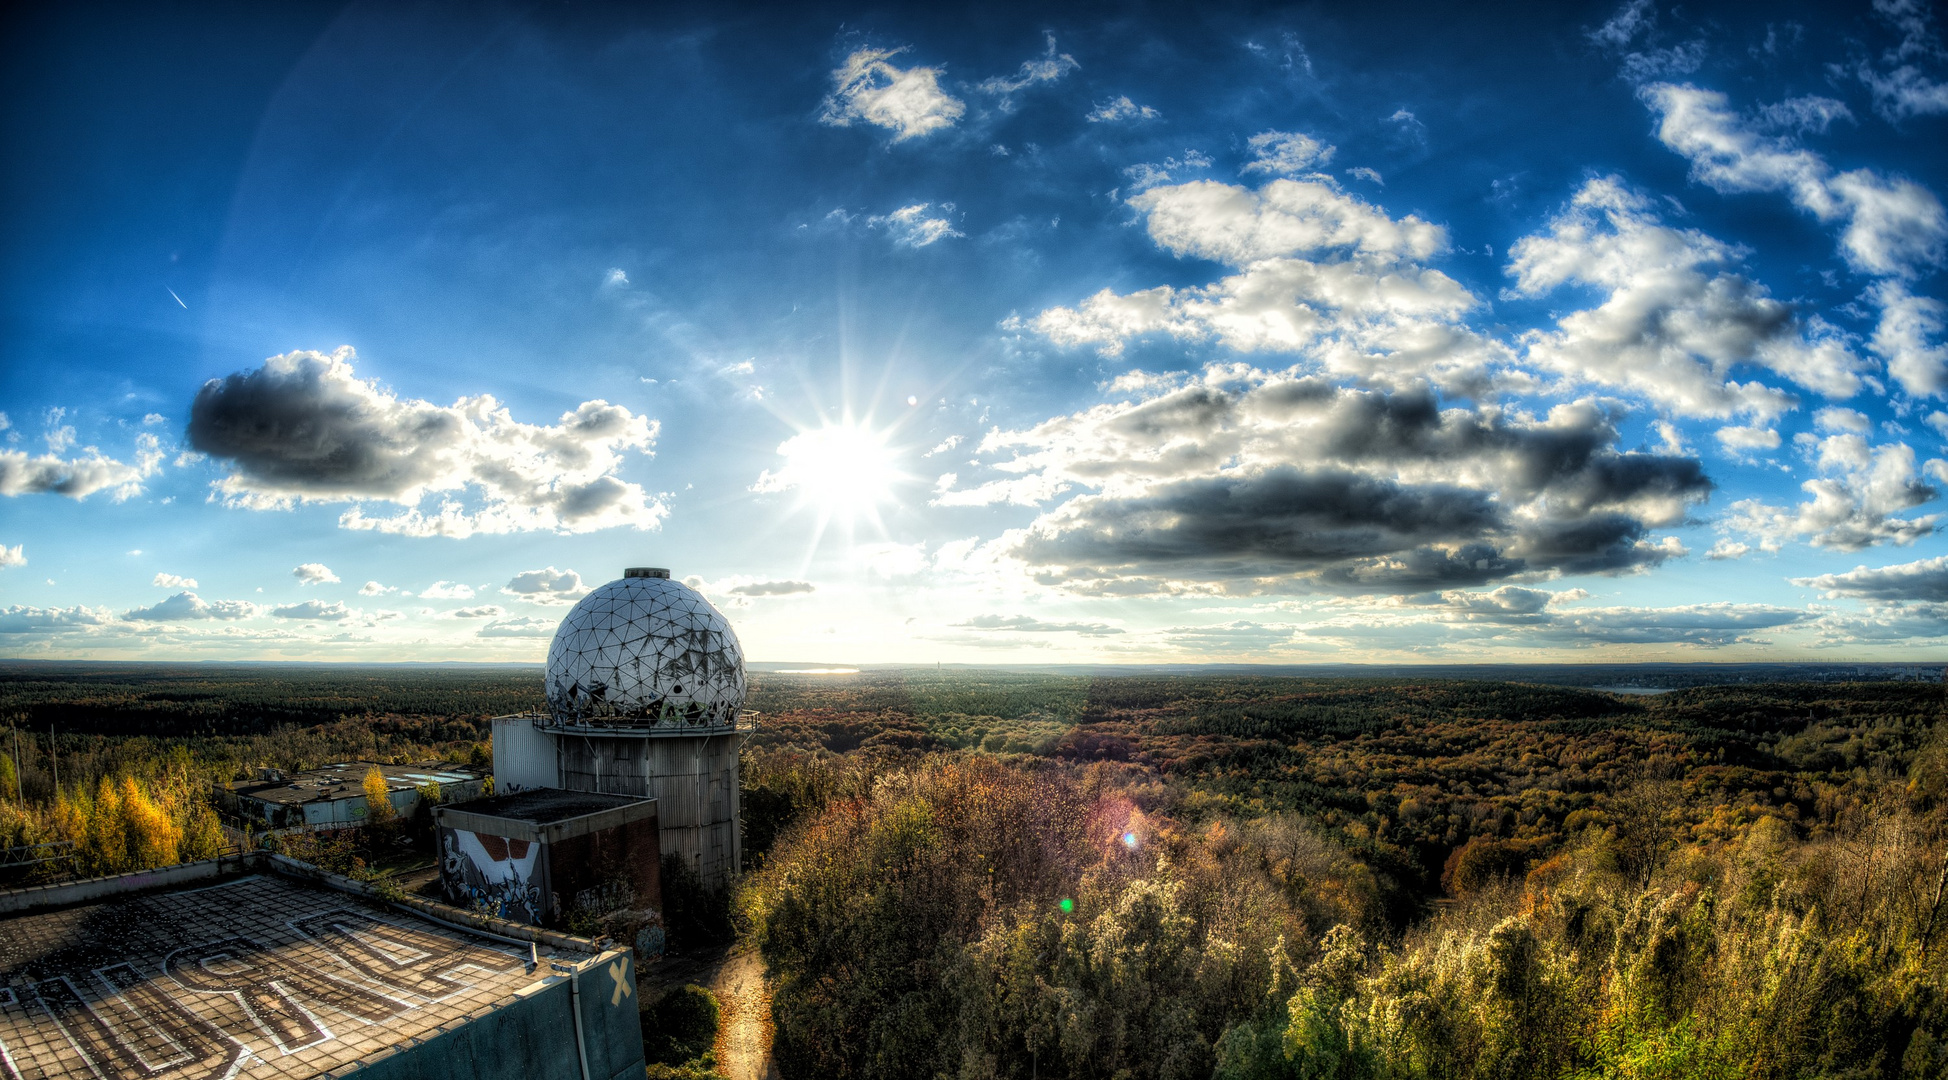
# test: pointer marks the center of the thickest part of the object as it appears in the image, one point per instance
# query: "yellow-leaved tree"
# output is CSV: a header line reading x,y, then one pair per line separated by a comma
x,y
378,798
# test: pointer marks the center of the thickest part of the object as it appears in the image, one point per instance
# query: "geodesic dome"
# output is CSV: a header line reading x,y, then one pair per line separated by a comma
x,y
645,650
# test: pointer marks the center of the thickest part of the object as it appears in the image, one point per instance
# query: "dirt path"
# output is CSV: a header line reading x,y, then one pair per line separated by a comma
x,y
744,1026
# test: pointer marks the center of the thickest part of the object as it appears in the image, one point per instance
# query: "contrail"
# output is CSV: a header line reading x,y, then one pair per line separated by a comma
x,y
179,299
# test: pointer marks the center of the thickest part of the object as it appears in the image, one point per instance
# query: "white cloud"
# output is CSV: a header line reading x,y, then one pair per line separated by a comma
x,y
889,560
1237,226
373,588
546,586
1704,625
1028,624
1834,418
1361,172
743,587
312,573
1725,550
1286,153
1120,108
315,611
1048,67
524,626
173,581
1893,226
1802,114
1324,274
19,619
1855,502
912,226
1621,29
13,556
1147,175
762,587
187,606
1903,90
1676,323
305,428
908,102
78,478
489,611
1910,338
446,590
1747,439
1924,580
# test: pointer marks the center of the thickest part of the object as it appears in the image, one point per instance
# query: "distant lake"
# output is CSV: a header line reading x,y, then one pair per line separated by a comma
x,y
1634,689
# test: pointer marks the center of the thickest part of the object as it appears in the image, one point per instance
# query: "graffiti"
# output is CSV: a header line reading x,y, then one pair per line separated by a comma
x,y
273,990
418,963
206,1011
494,874
615,894
650,942
151,1034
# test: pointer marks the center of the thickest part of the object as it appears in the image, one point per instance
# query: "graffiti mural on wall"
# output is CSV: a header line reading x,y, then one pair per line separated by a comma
x,y
484,872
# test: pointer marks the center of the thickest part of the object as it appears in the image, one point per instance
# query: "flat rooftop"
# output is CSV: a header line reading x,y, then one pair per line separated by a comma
x,y
262,975
346,780
546,815
545,806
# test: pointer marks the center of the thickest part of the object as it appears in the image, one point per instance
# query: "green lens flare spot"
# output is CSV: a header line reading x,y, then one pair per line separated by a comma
x,y
1067,905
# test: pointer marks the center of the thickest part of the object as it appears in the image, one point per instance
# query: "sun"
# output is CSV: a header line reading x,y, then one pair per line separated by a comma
x,y
844,471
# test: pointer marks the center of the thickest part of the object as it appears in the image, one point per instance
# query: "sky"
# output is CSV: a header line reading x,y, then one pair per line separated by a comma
x,y
978,333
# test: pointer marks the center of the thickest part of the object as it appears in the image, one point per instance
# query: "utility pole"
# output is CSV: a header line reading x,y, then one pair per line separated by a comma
x,y
54,756
18,763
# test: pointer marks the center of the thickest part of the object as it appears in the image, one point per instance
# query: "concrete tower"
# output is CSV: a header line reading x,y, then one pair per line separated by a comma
x,y
645,692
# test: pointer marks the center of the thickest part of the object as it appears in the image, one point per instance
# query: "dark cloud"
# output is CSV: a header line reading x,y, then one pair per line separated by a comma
x,y
301,423
546,586
304,426
1570,457
1258,482
81,477
1608,543
1345,531
1278,522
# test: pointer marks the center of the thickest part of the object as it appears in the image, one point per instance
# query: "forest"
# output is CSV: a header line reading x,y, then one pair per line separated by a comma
x,y
985,874
1248,877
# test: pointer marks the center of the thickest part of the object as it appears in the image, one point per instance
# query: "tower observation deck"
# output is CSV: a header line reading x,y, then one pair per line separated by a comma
x,y
645,687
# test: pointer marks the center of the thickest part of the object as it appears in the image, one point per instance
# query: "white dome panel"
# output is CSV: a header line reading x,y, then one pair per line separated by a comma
x,y
645,650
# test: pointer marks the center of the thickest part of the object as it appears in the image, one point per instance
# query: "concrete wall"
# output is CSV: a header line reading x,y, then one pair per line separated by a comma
x,y
523,757
533,1037
693,779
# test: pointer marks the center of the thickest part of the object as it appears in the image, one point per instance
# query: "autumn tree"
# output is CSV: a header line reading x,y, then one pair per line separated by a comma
x,y
378,798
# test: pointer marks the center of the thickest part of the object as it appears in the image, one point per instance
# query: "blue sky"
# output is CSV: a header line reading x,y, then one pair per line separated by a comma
x,y
1269,334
